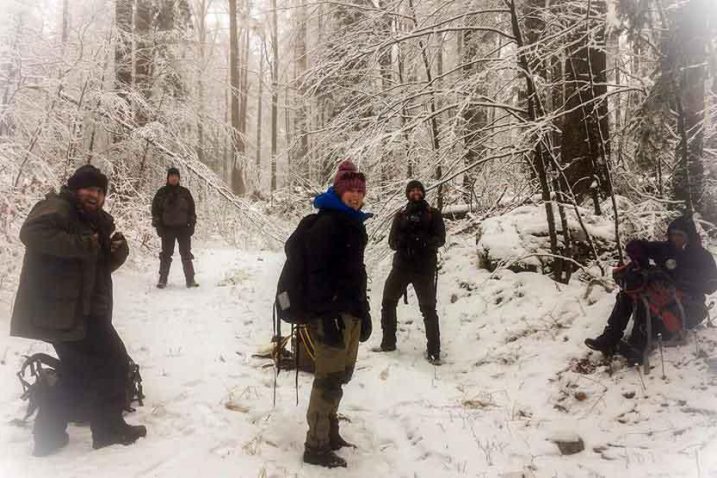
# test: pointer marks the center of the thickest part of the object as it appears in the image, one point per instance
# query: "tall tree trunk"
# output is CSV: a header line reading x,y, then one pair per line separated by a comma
x,y
585,128
237,171
259,110
688,63
123,46
143,55
300,147
274,92
202,37
539,160
474,118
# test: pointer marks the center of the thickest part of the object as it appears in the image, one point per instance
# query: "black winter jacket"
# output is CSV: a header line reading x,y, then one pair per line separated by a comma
x,y
692,269
334,256
416,234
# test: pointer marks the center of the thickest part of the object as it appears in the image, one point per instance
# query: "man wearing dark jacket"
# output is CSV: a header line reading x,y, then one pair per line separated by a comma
x,y
65,298
416,234
336,298
174,216
690,268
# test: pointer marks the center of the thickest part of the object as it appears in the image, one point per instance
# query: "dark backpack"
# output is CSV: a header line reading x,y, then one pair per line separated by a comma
x,y
290,303
47,372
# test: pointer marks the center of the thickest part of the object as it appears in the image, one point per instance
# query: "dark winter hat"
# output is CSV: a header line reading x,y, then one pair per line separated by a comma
x,y
685,225
87,176
348,178
173,172
415,184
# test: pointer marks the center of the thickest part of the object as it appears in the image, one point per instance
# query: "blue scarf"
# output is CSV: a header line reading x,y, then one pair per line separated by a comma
x,y
330,200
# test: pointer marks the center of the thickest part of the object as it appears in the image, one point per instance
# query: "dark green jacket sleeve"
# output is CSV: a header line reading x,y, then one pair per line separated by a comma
x,y
394,241
45,231
119,255
157,208
438,230
192,209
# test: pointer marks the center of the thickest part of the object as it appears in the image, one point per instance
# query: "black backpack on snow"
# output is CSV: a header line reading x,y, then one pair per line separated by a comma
x,y
290,303
47,372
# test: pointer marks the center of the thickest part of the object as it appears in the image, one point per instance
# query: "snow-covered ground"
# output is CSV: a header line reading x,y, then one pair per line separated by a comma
x,y
510,385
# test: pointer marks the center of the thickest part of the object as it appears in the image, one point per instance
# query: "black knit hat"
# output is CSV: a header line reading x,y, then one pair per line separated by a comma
x,y
413,185
173,172
87,176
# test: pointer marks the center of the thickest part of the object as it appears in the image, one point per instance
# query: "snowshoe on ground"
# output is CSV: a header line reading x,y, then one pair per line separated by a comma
x,y
122,434
46,445
323,457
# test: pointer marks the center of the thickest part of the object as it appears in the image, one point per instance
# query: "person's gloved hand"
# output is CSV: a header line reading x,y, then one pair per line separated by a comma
x,y
366,327
191,227
333,328
118,243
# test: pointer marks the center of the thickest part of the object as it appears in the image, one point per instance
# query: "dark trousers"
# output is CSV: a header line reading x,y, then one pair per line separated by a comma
x,y
424,283
169,237
94,374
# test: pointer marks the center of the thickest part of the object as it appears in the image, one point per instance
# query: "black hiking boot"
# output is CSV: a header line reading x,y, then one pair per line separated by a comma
x,y
191,283
121,434
46,445
434,358
604,343
323,457
388,343
162,282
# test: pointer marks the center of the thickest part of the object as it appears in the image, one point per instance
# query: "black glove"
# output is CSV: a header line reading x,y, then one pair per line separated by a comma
x,y
366,328
118,243
333,331
190,228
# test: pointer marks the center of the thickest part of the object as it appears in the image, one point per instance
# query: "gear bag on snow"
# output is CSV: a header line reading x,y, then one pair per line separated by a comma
x,y
47,372
290,305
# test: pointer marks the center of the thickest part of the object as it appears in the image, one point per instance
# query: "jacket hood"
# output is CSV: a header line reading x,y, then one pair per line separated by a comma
x,y
686,225
329,200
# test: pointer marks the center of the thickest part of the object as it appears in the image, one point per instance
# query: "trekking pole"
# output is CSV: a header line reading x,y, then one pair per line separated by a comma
x,y
648,331
639,374
277,349
662,357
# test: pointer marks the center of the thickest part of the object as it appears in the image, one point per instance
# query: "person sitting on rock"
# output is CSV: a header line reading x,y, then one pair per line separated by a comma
x,y
683,262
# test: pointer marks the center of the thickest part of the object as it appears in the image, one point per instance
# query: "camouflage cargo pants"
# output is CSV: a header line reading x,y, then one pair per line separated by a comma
x,y
334,368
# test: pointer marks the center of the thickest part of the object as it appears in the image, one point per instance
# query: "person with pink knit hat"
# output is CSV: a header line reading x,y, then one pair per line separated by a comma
x,y
336,299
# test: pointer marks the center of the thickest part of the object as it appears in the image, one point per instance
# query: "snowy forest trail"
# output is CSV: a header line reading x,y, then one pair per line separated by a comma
x,y
504,393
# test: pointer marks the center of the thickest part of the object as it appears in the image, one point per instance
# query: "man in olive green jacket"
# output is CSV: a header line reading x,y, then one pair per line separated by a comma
x,y
65,298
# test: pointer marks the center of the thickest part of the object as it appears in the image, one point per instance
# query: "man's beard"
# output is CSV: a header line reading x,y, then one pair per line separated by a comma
x,y
88,208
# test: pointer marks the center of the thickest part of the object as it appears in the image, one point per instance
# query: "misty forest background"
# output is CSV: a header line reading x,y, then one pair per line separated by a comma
x,y
584,108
